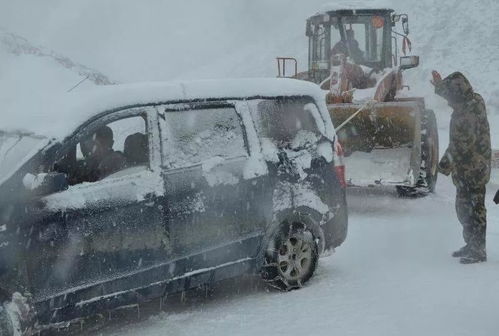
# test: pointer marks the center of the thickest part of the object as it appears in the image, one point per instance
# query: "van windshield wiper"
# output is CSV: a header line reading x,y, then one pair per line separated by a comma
x,y
11,147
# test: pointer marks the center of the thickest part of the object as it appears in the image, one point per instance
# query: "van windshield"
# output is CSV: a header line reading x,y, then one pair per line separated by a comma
x,y
288,122
15,149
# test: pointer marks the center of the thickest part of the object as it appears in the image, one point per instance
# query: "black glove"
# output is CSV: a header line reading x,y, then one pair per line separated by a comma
x,y
496,198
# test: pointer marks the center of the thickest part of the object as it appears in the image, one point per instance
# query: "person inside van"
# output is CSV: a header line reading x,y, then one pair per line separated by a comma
x,y
99,158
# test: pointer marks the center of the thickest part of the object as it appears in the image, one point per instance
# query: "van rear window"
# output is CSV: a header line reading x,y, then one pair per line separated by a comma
x,y
285,120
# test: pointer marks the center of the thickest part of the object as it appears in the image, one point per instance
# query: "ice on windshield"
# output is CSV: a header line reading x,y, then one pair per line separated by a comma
x,y
15,150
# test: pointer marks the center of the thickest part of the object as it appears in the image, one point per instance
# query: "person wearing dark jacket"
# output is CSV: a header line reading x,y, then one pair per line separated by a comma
x,y
103,159
468,160
349,47
100,160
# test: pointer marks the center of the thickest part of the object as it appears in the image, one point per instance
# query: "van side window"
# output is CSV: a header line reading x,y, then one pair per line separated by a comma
x,y
287,122
201,134
107,150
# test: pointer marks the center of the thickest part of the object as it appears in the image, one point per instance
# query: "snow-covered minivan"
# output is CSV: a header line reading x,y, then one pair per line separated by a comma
x,y
148,189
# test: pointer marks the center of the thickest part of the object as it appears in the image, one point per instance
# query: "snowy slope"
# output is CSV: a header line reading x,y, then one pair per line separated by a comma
x,y
193,39
27,82
33,79
457,36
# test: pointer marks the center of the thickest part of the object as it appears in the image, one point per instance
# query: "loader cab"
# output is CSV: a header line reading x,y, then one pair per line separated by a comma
x,y
364,36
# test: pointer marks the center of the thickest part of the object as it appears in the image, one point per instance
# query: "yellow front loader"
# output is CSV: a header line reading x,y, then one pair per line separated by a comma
x,y
389,137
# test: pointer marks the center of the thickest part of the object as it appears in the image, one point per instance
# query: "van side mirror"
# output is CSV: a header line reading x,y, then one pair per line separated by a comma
x,y
45,183
409,62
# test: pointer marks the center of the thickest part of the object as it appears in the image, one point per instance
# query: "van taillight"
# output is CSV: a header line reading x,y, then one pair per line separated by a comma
x,y
339,166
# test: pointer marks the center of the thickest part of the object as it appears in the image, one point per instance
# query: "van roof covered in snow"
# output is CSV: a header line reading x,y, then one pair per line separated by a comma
x,y
60,118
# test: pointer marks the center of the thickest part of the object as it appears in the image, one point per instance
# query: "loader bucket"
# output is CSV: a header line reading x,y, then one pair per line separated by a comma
x,y
382,144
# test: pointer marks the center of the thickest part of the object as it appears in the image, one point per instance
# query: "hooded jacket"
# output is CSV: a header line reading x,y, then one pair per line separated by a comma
x,y
468,157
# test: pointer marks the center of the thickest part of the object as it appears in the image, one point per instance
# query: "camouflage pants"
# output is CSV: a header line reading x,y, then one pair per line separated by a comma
x,y
471,212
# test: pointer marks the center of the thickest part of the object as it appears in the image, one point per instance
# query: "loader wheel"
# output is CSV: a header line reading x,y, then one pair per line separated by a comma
x,y
429,159
291,257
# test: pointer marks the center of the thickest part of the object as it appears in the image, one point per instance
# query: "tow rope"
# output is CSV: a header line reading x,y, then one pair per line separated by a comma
x,y
368,104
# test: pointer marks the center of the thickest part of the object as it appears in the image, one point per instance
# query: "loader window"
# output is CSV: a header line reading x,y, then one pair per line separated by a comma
x,y
375,45
353,44
360,38
320,48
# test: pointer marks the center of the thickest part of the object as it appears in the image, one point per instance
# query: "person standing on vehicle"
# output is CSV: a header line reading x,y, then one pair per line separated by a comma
x,y
468,159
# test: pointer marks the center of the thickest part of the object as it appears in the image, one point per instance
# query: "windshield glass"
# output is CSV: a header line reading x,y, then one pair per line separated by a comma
x,y
362,39
15,149
288,122
359,37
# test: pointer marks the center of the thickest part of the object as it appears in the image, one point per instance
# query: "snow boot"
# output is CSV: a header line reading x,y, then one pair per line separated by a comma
x,y
474,257
463,251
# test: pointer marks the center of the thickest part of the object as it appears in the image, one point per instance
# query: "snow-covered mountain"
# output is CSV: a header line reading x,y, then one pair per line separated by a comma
x,y
165,40
17,45
32,78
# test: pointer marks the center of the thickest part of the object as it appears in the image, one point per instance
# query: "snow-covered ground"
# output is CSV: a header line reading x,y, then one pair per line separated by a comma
x,y
393,276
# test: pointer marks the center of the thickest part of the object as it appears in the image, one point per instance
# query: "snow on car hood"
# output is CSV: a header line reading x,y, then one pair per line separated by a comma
x,y
16,148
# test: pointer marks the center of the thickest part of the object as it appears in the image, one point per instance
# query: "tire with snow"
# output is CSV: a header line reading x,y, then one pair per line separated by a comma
x,y
291,257
428,173
6,328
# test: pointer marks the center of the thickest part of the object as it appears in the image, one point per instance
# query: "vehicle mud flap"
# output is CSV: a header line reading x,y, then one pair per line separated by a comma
x,y
336,230
382,144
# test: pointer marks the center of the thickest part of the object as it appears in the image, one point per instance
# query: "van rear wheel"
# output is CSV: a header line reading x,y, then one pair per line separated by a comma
x,y
291,257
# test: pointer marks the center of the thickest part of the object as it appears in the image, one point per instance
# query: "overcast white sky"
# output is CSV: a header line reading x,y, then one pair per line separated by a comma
x,y
141,40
